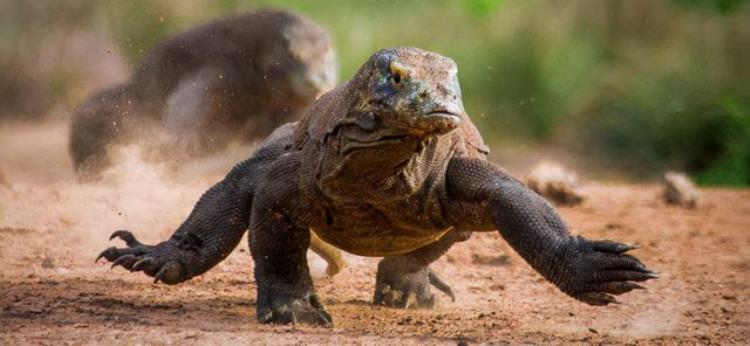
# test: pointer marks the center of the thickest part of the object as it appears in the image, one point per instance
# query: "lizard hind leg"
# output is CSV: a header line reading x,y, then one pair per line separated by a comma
x,y
405,281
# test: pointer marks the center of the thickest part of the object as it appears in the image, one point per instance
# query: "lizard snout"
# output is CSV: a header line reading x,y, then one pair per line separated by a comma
x,y
439,121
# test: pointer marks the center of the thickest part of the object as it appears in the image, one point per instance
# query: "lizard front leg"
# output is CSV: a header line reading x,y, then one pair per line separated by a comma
x,y
588,270
404,281
278,246
213,229
209,235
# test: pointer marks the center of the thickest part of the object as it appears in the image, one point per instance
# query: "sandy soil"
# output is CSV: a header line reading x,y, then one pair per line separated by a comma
x,y
52,292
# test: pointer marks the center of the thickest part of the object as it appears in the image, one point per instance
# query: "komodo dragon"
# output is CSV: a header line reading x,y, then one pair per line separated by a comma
x,y
386,164
234,79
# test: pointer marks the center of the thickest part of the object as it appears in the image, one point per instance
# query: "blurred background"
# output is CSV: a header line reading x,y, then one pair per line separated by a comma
x,y
619,89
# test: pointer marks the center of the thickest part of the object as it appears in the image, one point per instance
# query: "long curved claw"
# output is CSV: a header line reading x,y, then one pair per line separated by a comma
x,y
286,309
163,261
299,311
612,246
606,271
620,287
160,275
321,318
170,273
316,302
142,263
126,236
597,298
108,251
122,260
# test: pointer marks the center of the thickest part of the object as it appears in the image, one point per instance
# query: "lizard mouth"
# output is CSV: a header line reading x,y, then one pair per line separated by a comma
x,y
440,121
353,144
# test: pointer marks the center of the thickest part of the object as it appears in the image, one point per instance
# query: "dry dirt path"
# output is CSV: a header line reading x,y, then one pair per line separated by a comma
x,y
52,292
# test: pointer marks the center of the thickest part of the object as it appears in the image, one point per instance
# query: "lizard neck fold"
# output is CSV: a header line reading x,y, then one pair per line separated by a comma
x,y
388,169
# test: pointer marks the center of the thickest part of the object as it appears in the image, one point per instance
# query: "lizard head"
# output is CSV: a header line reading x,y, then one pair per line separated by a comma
x,y
300,55
409,90
312,58
405,105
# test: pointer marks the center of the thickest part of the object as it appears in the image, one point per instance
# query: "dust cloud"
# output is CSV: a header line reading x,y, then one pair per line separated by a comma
x,y
147,192
40,192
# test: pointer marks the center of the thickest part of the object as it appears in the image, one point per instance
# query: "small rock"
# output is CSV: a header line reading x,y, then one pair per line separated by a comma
x,y
497,287
613,226
501,260
680,190
555,183
48,263
593,330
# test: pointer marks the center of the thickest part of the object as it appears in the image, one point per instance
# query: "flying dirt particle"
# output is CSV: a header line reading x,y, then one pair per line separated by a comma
x,y
48,263
501,260
613,226
593,330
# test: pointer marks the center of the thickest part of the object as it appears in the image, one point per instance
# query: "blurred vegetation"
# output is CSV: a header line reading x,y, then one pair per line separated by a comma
x,y
633,85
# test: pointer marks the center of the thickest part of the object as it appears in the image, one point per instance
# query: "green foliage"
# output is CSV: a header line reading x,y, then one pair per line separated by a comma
x,y
483,7
710,138
732,165
721,6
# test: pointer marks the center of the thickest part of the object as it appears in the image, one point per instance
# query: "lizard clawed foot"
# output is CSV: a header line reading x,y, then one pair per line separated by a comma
x,y
162,262
286,309
399,288
603,270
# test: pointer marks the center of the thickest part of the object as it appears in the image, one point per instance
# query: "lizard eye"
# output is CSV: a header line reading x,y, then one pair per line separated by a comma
x,y
398,73
397,78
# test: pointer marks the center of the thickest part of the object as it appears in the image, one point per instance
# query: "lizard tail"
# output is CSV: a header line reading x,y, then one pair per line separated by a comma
x,y
441,285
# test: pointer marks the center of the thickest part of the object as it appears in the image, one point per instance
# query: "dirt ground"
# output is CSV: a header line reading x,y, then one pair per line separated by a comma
x,y
52,292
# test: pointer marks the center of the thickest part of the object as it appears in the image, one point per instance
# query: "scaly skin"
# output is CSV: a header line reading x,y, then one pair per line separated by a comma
x,y
234,79
387,164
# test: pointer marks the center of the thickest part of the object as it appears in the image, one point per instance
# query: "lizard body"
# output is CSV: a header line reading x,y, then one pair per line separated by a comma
x,y
233,79
386,164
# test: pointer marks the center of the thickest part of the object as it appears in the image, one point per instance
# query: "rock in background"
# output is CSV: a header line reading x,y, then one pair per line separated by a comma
x,y
680,190
555,183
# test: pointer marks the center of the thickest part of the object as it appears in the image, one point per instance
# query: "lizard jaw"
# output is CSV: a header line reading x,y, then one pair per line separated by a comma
x,y
352,145
437,122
